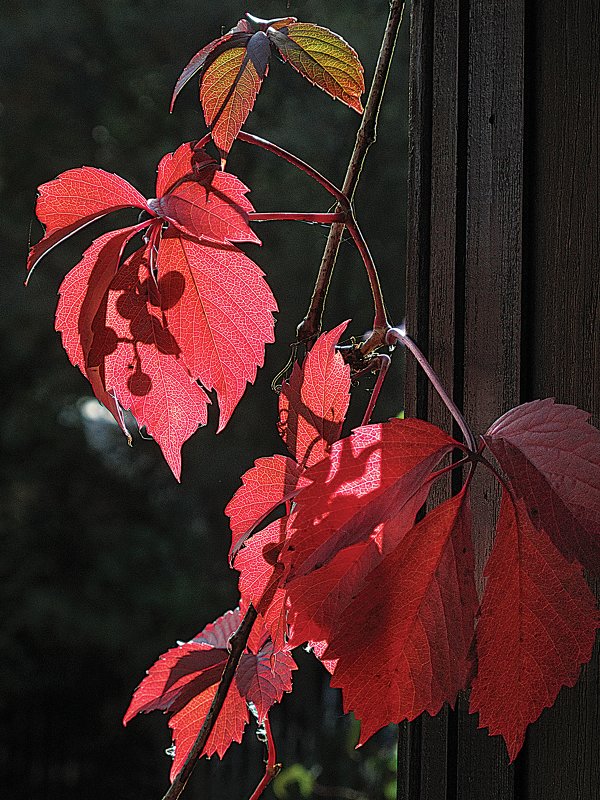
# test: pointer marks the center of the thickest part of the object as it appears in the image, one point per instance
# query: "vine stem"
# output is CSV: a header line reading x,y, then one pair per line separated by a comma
x,y
339,195
383,364
395,335
237,645
297,216
272,768
310,326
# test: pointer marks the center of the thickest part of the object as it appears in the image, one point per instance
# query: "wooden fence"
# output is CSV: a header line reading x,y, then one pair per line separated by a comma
x,y
502,287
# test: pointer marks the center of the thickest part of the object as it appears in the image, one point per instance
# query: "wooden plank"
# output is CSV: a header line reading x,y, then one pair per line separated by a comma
x,y
410,735
492,301
563,334
438,734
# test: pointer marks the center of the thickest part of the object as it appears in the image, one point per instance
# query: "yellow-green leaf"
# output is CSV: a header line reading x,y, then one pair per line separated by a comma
x,y
324,59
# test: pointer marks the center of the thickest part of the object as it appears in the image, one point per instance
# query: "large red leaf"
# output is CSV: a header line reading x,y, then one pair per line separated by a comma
x,y
324,58
537,627
402,646
194,307
220,310
228,90
319,599
202,200
143,364
552,456
269,483
361,489
75,199
313,404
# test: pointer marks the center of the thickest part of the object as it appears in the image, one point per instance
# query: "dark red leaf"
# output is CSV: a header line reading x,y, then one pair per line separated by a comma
x,y
184,680
402,646
551,454
537,627
313,404
262,678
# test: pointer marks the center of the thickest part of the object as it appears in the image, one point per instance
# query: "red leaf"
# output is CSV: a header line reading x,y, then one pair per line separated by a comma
x,y
313,404
187,163
211,206
403,644
323,58
269,483
184,681
263,678
360,488
228,90
220,310
172,673
228,728
81,310
143,363
260,578
537,627
552,456
144,345
75,199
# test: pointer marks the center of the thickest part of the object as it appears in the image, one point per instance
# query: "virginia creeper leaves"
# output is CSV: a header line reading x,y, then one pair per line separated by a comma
x,y
323,58
231,69
552,456
414,619
187,306
184,681
538,625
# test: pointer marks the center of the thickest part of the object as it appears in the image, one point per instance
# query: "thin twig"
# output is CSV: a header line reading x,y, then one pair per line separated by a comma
x,y
237,645
310,326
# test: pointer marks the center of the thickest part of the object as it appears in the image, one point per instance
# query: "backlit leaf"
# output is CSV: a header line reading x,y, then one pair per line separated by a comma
x,y
403,644
269,483
314,402
228,90
143,364
324,58
537,627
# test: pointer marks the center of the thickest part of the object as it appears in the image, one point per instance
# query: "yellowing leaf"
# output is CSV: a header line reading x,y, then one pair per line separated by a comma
x,y
324,59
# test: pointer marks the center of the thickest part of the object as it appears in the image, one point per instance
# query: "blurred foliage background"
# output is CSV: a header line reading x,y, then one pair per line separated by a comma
x,y
105,560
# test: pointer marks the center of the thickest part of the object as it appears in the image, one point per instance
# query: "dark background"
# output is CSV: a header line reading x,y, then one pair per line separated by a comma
x,y
106,561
